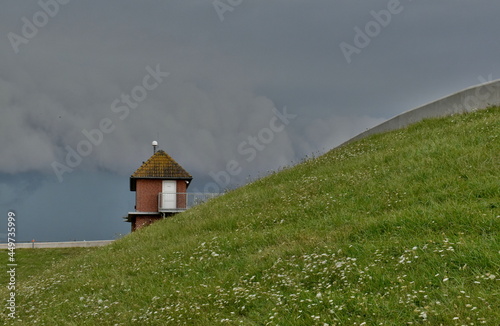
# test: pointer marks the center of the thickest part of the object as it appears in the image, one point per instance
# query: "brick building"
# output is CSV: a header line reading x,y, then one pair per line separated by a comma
x,y
160,186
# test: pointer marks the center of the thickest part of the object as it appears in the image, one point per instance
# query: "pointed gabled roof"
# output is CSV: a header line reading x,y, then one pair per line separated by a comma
x,y
159,166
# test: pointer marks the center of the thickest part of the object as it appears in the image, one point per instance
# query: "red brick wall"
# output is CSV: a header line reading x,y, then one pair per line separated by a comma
x,y
146,200
142,221
146,195
181,199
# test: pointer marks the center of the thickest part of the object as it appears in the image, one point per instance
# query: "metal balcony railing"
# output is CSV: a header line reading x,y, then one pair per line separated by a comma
x,y
180,201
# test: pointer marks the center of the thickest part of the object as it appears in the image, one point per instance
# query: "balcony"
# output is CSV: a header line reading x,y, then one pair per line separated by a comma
x,y
180,201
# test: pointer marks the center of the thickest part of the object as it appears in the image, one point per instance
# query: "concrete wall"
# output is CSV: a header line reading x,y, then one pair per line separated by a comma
x,y
470,99
68,244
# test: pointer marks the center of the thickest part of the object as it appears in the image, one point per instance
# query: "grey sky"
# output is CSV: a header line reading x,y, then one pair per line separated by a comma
x,y
225,77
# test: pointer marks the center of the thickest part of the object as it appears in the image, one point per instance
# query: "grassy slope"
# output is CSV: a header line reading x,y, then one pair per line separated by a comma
x,y
397,228
32,262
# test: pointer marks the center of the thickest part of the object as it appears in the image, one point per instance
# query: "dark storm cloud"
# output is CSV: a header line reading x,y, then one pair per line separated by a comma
x,y
225,78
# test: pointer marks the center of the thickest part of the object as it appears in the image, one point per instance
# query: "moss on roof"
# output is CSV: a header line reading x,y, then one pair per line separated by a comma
x,y
161,165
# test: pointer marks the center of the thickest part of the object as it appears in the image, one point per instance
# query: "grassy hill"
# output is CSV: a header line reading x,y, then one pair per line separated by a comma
x,y
33,261
399,228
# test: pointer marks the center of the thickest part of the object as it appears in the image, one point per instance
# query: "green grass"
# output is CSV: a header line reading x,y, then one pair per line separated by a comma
x,y
32,262
399,228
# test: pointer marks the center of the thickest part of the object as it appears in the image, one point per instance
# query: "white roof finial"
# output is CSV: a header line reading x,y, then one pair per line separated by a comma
x,y
155,143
